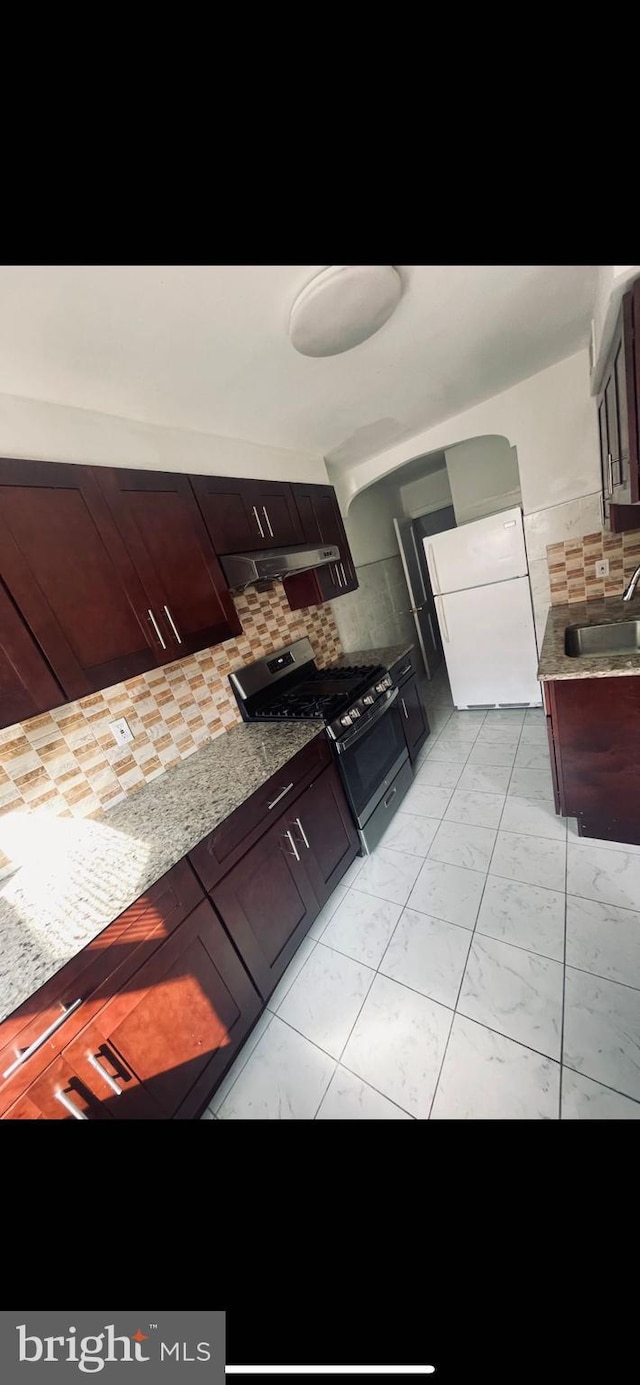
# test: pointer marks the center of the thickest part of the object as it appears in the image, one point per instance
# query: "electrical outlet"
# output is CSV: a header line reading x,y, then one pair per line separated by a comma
x,y
121,731
602,568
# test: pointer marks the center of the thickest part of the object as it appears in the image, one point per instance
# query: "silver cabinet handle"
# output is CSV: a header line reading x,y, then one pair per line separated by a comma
x,y
110,1081
405,670
69,1106
156,627
172,623
280,795
302,833
294,850
404,708
346,583
338,577
257,519
266,515
610,470
389,797
42,1038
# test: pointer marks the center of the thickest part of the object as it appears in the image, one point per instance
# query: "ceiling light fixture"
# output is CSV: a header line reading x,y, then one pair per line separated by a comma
x,y
343,306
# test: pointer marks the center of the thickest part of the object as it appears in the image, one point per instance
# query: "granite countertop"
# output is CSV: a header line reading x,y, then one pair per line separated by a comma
x,y
387,655
76,876
554,663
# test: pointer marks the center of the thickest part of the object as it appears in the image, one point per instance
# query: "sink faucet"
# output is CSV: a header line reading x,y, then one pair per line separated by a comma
x,y
632,585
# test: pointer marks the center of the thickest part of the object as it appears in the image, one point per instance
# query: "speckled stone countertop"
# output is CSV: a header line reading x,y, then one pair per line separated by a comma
x,y
75,876
554,663
387,656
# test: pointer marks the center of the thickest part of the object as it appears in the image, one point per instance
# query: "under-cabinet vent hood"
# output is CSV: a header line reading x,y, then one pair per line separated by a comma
x,y
241,569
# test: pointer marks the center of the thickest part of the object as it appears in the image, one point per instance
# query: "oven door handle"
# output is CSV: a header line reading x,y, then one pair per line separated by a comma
x,y
367,722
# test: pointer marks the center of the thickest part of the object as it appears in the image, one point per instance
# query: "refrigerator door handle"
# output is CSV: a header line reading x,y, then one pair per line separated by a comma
x,y
443,619
434,569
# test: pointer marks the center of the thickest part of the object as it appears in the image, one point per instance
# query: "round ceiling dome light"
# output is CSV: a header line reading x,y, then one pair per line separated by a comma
x,y
343,306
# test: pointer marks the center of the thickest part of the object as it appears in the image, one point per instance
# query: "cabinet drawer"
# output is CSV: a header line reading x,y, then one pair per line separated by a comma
x,y
91,977
216,854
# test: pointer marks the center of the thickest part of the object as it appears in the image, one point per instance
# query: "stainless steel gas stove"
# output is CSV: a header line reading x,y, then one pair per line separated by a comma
x,y
358,708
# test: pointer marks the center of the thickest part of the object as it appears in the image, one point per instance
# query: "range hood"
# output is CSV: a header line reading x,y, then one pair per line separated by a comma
x,y
265,565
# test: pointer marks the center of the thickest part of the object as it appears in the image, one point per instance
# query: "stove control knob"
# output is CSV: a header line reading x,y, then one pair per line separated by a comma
x,y
354,713
346,719
369,699
383,684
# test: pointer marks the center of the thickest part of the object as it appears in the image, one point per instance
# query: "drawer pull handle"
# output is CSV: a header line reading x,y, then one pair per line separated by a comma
x,y
404,708
280,795
110,1081
42,1038
389,797
172,624
69,1106
257,519
303,833
407,669
156,627
294,850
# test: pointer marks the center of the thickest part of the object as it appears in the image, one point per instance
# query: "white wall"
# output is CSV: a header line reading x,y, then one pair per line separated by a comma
x,y
369,525
483,475
53,432
427,493
550,418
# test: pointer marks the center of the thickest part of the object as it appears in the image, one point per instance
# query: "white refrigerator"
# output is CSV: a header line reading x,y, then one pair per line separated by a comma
x,y
480,583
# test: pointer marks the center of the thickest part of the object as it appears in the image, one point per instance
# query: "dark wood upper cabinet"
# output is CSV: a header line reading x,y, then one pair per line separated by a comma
x,y
618,405
27,685
162,527
244,516
68,571
322,523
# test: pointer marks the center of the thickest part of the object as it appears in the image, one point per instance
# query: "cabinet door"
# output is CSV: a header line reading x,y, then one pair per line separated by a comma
x,y
27,685
174,1027
324,832
631,330
68,572
60,1093
414,721
267,903
160,522
242,516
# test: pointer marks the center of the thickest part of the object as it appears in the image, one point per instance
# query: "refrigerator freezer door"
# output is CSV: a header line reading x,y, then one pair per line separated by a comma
x,y
473,555
489,645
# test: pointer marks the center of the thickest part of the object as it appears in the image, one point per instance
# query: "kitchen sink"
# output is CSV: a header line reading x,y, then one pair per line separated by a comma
x,y
582,641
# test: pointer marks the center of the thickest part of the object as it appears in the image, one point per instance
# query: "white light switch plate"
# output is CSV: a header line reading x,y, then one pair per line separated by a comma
x,y
121,731
602,568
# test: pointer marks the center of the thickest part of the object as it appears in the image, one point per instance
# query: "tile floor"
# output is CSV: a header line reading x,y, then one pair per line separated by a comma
x,y
482,963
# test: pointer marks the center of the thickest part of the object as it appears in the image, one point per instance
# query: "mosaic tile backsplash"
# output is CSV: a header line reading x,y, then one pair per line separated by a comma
x,y
572,565
67,762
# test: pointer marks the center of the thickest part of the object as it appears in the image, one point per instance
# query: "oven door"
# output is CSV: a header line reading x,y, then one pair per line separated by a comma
x,y
371,755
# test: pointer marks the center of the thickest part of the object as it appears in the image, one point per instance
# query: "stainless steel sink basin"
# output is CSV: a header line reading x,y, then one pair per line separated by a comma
x,y
623,637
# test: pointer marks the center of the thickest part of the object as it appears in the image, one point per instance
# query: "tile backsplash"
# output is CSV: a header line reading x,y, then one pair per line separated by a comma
x,y
67,762
572,570
377,613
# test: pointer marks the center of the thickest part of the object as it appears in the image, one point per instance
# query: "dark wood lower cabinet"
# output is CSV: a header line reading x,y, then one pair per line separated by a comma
x,y
594,743
414,720
325,834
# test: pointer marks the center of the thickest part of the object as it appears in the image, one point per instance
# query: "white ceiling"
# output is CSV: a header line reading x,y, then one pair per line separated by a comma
x,y
206,347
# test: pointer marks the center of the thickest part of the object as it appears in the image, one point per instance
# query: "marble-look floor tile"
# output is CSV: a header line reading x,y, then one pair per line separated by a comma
x,y
426,800
518,993
532,783
351,875
534,716
485,778
317,928
295,966
251,1042
604,939
533,860
446,755
461,844
631,848
285,1078
428,955
398,1043
480,809
511,718
389,874
535,734
584,1099
498,735
533,819
602,1031
502,755
525,915
362,926
326,997
532,757
486,1076
349,1098
411,833
443,776
613,877
448,892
